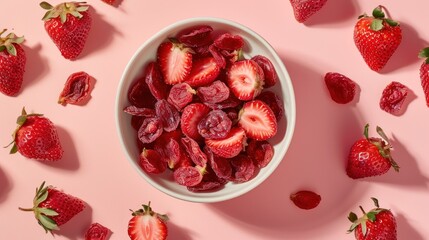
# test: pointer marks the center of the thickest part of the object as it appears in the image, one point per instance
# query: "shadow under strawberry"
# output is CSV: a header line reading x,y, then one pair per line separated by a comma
x,y
75,229
100,36
178,232
409,173
34,72
5,186
315,161
407,52
406,229
334,13
70,159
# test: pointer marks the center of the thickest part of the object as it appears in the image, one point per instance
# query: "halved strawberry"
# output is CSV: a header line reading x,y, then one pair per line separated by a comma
x,y
204,71
245,78
258,120
230,146
191,116
147,225
175,61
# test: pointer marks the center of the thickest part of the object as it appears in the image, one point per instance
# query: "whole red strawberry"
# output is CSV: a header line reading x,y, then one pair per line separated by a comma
x,y
303,9
53,208
37,138
424,73
12,63
147,225
377,38
370,157
377,224
68,24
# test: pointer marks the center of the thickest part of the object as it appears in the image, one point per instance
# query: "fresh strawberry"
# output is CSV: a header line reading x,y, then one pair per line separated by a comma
x,y
68,24
175,61
97,231
370,156
424,73
191,116
12,63
305,199
147,225
258,120
204,71
53,208
379,223
377,38
303,9
230,146
36,137
245,79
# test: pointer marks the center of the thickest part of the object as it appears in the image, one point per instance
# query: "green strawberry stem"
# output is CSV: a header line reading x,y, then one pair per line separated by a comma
x,y
9,41
424,53
379,18
370,216
61,10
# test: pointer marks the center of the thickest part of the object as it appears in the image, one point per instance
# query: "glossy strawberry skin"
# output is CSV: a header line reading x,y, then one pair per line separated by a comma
x,y
12,70
364,159
304,9
376,47
384,227
38,139
70,37
424,77
305,199
66,205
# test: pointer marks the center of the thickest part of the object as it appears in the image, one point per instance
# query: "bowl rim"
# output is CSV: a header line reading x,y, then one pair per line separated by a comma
x,y
291,120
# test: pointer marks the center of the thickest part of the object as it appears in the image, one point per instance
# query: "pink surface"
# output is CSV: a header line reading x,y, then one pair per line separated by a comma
x,y
95,169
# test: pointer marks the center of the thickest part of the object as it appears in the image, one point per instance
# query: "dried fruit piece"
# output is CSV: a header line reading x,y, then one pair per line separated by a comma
x,y
168,114
180,95
97,231
194,151
204,71
142,112
196,36
341,88
213,93
215,125
230,102
245,79
227,41
393,97
274,102
170,151
230,146
191,116
243,168
139,94
188,176
155,82
270,73
221,166
76,89
150,161
217,55
305,199
261,152
150,129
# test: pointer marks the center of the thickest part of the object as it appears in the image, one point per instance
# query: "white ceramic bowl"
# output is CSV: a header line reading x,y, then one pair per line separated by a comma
x,y
255,45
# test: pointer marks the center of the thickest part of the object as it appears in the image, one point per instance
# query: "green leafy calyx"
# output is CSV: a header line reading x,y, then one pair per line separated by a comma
x,y
61,10
424,53
379,19
9,41
43,215
367,216
147,210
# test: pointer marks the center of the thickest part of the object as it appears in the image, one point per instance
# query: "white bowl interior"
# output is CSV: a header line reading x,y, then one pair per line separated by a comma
x,y
255,45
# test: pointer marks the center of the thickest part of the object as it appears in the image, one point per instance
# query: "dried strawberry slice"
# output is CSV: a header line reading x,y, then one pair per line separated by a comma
x,y
180,95
261,152
150,129
215,125
139,94
168,114
188,176
170,152
305,199
213,93
221,166
196,36
270,73
243,168
142,112
230,102
393,97
155,82
150,161
191,116
76,89
274,102
194,151
217,55
227,41
96,231
341,88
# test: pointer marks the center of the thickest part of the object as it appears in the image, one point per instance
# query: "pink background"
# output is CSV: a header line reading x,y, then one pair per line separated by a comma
x,y
96,170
